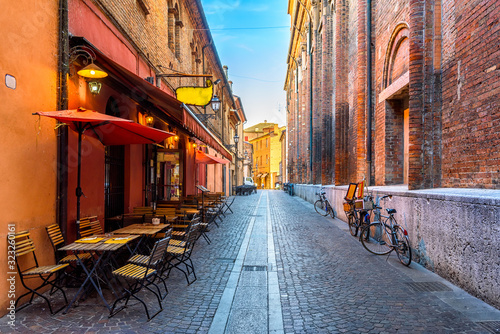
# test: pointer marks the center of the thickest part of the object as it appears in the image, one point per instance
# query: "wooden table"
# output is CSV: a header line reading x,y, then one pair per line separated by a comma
x,y
142,229
103,246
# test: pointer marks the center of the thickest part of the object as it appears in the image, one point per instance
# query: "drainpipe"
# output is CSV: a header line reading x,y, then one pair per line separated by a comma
x,y
369,87
203,59
62,131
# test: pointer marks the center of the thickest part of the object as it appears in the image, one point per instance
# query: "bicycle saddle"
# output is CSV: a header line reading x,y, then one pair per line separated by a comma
x,y
391,211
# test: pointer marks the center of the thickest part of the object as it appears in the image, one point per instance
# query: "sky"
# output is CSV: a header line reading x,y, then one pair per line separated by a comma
x,y
252,38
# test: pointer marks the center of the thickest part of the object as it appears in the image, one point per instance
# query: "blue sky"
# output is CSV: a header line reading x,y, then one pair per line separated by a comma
x,y
256,57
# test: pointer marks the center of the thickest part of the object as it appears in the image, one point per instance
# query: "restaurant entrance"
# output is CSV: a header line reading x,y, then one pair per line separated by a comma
x,y
165,175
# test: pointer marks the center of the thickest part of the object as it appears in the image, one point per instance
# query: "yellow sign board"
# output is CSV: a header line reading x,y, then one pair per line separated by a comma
x,y
197,96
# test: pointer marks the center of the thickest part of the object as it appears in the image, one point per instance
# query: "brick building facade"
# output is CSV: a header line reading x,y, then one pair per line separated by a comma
x,y
416,114
428,117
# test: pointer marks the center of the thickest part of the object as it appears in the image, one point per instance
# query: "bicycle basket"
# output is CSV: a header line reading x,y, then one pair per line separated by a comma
x,y
367,204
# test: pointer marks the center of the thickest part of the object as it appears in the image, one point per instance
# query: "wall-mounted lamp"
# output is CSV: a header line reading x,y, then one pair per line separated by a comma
x,y
194,145
95,87
92,71
176,137
215,103
149,120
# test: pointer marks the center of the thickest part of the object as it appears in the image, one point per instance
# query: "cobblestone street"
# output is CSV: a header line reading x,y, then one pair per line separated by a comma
x,y
276,266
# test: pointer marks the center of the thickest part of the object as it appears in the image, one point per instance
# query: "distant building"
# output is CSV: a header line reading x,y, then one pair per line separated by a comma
x,y
267,156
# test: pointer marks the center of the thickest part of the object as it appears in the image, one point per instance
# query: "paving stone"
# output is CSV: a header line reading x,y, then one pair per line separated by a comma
x,y
328,283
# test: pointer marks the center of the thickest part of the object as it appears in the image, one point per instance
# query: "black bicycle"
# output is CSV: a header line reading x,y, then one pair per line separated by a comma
x,y
323,206
384,235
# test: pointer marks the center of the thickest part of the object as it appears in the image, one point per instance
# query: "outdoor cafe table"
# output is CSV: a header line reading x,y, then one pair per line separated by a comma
x,y
103,246
143,230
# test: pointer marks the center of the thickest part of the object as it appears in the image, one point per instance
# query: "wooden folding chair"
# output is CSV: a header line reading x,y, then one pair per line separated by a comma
x,y
24,246
143,210
143,260
57,241
179,254
89,226
139,277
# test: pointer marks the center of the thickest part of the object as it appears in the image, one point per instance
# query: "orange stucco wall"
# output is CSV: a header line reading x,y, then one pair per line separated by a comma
x,y
28,147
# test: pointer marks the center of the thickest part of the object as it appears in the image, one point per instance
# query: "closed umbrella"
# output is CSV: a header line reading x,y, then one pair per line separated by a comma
x,y
107,129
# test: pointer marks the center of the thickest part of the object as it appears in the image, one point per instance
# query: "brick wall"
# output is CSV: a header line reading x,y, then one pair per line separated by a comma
x,y
471,94
437,58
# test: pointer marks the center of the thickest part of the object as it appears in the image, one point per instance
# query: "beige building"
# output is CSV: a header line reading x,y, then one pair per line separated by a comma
x,y
267,157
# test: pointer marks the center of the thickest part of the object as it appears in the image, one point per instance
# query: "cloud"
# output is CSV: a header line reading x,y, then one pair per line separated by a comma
x,y
221,6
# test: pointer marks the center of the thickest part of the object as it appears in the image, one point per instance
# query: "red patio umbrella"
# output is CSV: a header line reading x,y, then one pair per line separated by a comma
x,y
107,129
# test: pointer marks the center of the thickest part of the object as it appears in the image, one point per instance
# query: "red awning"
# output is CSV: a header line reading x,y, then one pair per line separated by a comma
x,y
204,158
193,124
146,93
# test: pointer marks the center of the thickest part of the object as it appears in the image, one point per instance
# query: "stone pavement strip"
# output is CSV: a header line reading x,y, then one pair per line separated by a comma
x,y
276,266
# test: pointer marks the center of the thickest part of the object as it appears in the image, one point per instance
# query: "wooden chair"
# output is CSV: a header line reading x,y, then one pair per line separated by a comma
x,y
181,227
49,275
141,276
57,240
89,226
179,254
143,260
143,210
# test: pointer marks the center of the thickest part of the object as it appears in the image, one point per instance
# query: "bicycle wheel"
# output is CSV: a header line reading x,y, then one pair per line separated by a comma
x,y
320,207
403,249
353,227
374,238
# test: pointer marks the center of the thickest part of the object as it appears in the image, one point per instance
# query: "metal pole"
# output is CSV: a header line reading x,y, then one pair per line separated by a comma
x,y
78,188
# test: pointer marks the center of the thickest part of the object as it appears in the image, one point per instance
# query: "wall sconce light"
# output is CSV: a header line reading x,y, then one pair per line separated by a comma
x,y
194,145
149,120
215,103
176,137
92,71
95,87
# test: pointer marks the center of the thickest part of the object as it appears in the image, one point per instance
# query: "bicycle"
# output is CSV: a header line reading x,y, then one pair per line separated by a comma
x,y
356,217
322,205
384,235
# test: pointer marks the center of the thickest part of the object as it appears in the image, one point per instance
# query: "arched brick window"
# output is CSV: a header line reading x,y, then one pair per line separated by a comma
x,y
395,95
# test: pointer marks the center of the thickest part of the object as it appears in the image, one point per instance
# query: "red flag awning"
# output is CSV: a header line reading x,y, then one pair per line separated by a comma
x,y
204,158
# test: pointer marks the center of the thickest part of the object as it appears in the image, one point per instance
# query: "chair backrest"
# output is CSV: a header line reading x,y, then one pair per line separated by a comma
x,y
143,209
165,211
24,246
55,236
89,226
159,249
193,234
351,192
167,205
